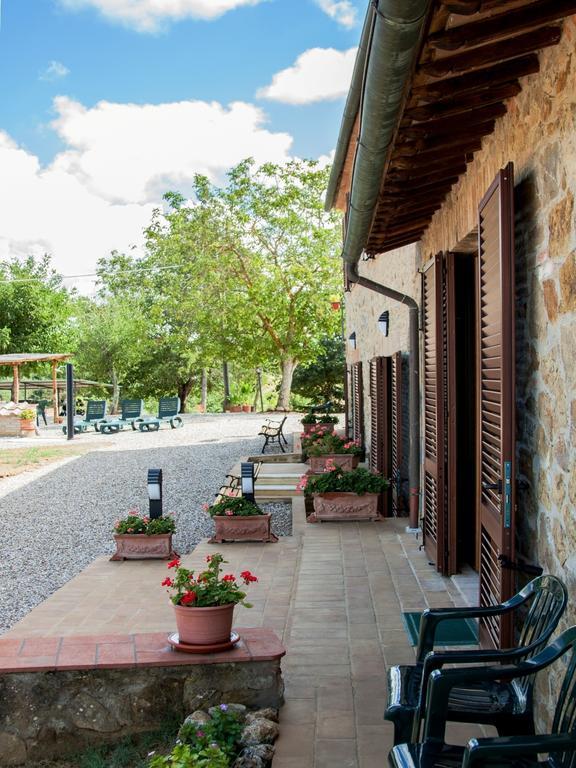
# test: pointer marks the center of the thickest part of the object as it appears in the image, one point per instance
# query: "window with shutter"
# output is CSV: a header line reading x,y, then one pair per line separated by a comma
x,y
496,409
380,423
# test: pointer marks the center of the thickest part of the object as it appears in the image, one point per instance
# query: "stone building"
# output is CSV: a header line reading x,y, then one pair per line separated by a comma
x,y
456,169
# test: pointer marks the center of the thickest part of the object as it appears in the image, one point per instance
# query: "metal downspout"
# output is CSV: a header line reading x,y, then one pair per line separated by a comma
x,y
413,384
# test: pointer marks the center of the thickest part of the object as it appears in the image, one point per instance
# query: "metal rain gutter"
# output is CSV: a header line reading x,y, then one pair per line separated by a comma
x,y
393,29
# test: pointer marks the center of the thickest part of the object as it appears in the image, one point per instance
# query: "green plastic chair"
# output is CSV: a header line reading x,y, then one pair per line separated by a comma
x,y
94,416
518,751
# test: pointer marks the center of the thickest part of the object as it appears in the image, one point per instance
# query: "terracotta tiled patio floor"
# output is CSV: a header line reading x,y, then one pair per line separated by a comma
x,y
333,592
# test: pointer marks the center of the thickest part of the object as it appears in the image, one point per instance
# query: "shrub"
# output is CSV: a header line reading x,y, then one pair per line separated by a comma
x,y
358,481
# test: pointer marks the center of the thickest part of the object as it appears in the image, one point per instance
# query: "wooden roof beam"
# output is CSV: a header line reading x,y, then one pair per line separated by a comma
x,y
435,158
462,141
493,52
410,175
479,79
425,184
474,120
462,104
462,7
512,22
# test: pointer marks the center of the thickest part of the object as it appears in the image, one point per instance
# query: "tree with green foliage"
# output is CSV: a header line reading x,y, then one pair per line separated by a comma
x,y
322,380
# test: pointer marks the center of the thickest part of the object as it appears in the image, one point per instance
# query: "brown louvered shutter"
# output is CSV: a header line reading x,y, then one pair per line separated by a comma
x,y
357,403
380,427
496,411
434,305
396,431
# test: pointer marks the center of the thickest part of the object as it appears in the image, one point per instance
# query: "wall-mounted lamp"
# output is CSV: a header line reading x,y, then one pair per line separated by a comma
x,y
247,480
352,340
384,322
155,493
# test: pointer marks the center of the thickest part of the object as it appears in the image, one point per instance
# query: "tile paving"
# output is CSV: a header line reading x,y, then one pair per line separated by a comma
x,y
333,593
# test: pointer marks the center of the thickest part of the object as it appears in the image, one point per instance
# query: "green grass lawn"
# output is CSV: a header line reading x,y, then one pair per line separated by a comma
x,y
17,460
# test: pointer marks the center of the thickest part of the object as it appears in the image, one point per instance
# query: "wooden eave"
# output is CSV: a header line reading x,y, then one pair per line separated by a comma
x,y
470,65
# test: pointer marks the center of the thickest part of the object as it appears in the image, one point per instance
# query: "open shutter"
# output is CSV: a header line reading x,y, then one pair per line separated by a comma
x,y
496,385
396,431
357,403
434,306
380,423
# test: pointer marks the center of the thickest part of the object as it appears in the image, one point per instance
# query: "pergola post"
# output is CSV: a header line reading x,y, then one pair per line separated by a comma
x,y
55,391
16,384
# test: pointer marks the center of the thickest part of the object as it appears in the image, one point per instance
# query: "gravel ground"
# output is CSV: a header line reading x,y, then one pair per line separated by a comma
x,y
54,526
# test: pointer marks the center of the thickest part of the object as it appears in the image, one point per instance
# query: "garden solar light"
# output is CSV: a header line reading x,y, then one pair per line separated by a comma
x,y
155,492
247,480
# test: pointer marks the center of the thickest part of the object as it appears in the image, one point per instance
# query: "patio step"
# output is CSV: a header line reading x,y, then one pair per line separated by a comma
x,y
275,491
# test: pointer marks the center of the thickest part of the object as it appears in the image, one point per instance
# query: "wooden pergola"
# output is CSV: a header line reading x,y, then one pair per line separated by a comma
x,y
15,361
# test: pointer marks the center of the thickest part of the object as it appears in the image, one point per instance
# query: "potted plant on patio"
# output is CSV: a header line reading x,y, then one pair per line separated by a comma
x,y
204,602
308,422
138,537
342,495
329,446
27,419
237,519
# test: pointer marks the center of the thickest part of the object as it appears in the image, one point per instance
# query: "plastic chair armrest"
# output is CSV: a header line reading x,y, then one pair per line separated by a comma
x,y
481,751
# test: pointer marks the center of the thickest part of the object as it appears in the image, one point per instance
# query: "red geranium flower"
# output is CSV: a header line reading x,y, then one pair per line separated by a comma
x,y
188,598
229,577
174,563
248,577
208,558
167,582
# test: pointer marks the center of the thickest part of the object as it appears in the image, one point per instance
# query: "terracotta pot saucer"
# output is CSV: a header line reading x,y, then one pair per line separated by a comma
x,y
174,641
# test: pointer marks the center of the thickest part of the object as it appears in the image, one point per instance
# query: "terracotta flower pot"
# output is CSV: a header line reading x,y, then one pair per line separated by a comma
x,y
344,506
27,425
204,626
235,408
347,461
242,528
246,408
307,428
139,546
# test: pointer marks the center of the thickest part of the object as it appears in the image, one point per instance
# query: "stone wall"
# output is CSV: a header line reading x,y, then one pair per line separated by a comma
x,y
399,270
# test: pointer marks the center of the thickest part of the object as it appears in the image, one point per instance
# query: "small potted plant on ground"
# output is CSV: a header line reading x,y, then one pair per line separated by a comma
x,y
237,519
328,446
138,537
341,495
204,602
325,418
308,422
27,419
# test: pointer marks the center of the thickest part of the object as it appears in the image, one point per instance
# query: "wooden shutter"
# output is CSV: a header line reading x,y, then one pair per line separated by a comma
x,y
357,403
434,308
380,459
496,394
396,431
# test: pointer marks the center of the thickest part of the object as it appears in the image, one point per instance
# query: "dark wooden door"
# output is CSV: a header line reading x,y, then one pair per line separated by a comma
x,y
495,491
380,459
396,426
433,306
357,393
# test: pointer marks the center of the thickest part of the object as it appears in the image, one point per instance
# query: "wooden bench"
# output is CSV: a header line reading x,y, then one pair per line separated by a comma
x,y
232,487
272,432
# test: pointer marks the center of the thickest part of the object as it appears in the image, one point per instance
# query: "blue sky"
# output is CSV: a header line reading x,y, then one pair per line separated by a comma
x,y
108,102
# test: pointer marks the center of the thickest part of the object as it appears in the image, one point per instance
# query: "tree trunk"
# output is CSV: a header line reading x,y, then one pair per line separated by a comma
x,y
204,389
115,391
288,368
226,378
184,389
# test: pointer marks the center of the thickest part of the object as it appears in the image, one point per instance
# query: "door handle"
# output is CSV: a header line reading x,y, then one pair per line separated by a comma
x,y
492,486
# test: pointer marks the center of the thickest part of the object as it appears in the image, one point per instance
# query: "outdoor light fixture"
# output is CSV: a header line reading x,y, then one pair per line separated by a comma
x,y
155,492
384,322
247,480
352,340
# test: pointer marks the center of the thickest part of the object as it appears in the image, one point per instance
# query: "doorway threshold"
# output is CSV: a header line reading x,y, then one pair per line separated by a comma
x,y
468,584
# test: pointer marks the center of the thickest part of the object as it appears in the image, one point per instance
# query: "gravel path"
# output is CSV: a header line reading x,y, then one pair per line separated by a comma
x,y
54,526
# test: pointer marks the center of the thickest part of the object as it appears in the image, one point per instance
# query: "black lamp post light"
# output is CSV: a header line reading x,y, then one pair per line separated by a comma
x,y
155,493
247,480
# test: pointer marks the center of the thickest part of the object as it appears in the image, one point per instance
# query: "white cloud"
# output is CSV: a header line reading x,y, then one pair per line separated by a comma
x,y
54,71
342,11
319,74
150,15
99,192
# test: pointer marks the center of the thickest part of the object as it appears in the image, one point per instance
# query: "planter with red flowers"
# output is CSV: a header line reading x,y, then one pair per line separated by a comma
x,y
340,495
237,519
204,603
137,537
326,448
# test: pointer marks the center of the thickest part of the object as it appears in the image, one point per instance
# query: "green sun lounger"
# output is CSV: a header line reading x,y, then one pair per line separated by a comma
x,y
168,410
94,416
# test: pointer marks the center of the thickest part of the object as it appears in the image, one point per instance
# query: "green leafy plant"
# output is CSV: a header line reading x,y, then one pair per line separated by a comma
x,y
330,442
27,414
309,418
335,480
325,418
206,589
137,523
185,756
235,506
223,729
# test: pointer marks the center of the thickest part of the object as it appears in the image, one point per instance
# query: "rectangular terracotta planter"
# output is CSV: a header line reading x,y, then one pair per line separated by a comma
x,y
347,461
139,546
344,506
242,528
